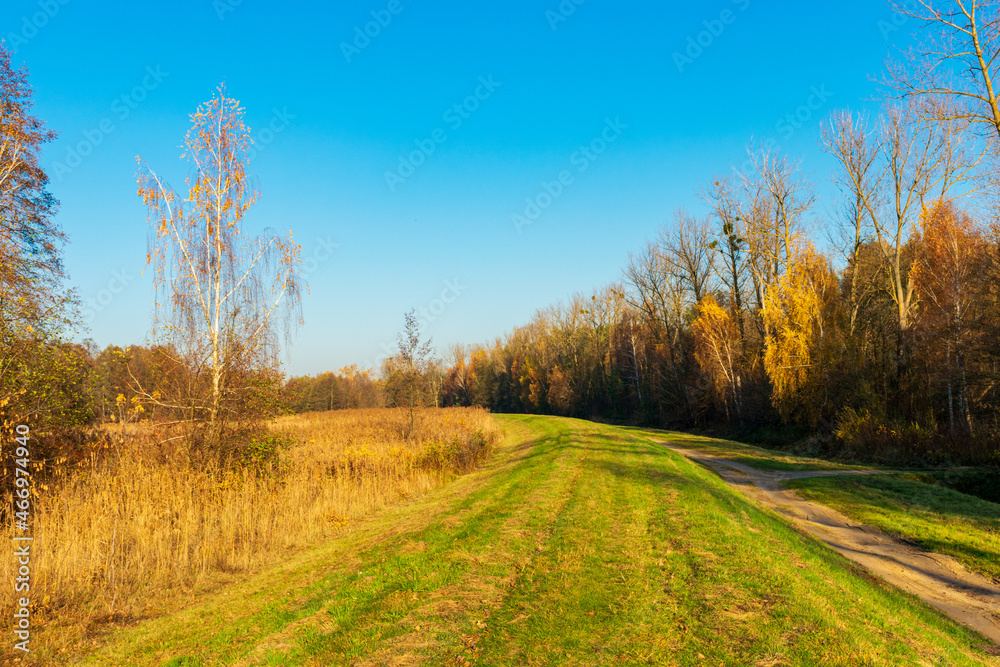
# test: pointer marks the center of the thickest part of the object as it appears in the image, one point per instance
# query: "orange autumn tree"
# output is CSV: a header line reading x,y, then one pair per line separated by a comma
x,y
39,373
717,350
225,295
951,276
30,240
800,314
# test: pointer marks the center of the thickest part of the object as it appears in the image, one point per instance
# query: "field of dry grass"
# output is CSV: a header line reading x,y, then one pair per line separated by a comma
x,y
139,522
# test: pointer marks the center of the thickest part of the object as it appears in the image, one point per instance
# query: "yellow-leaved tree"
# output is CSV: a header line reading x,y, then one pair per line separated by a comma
x,y
952,277
800,311
718,352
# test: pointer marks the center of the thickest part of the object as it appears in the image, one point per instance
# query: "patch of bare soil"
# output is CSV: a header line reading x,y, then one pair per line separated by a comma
x,y
939,580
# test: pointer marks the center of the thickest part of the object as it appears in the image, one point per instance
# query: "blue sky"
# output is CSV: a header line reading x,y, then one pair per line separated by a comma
x,y
534,83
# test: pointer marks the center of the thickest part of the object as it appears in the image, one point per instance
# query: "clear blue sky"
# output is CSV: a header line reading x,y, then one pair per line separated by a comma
x,y
118,79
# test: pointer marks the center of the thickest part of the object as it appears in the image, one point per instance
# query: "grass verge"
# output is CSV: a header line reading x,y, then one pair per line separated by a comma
x,y
755,457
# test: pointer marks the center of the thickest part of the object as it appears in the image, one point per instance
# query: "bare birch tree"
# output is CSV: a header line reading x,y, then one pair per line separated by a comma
x,y
780,197
891,175
222,297
912,157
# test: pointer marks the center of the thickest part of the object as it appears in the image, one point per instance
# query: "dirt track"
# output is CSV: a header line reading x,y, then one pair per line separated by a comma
x,y
938,580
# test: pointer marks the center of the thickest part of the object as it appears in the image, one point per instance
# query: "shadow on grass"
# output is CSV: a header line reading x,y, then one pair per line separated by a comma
x,y
882,490
689,485
951,582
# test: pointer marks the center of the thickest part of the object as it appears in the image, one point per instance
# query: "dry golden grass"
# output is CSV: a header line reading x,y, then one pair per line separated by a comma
x,y
139,519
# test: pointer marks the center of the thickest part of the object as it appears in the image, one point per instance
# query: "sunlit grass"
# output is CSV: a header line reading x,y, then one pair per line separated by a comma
x,y
755,457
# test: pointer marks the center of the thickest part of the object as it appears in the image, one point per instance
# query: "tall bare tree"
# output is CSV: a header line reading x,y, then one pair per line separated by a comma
x,y
226,296
912,153
857,148
684,247
957,62
659,295
890,176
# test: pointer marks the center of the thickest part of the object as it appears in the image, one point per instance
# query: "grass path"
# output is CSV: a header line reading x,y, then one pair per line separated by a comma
x,y
578,544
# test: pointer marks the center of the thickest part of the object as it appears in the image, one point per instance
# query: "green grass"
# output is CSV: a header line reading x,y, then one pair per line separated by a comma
x,y
755,457
983,483
934,517
578,544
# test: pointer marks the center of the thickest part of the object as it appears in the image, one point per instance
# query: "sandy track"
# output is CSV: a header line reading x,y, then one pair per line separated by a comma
x,y
939,580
